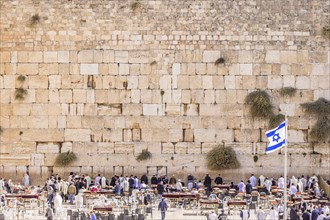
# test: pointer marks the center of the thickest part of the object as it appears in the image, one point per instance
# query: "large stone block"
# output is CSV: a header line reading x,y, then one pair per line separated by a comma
x,y
89,69
210,56
77,135
27,69
52,148
85,56
37,159
42,135
138,56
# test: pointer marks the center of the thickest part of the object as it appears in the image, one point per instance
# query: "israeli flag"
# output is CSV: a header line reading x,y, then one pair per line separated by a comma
x,y
276,138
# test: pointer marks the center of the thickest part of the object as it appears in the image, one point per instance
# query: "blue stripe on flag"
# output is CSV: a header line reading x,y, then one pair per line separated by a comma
x,y
272,132
275,147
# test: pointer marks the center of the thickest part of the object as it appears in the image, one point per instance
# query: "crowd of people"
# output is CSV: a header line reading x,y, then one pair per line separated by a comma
x,y
69,188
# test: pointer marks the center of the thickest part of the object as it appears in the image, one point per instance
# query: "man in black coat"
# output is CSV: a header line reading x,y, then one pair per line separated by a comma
x,y
207,184
144,178
218,180
306,215
248,187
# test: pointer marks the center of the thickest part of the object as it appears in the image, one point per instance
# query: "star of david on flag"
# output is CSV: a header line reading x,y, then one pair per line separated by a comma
x,y
276,138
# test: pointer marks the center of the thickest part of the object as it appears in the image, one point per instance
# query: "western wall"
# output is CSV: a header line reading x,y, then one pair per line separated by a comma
x,y
107,79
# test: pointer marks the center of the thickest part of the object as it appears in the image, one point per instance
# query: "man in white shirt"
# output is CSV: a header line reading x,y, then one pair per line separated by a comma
x,y
253,180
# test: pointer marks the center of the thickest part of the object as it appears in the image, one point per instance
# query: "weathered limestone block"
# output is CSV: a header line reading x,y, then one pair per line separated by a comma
x,y
84,147
210,109
302,82
191,109
15,160
50,57
123,69
108,56
112,135
66,96
213,135
77,135
42,135
230,82
138,56
210,56
38,82
63,56
93,122
37,159
66,146
132,109
247,135
127,135
297,136
288,57
272,56
275,82
180,148
51,148
27,69
35,57
245,69
5,57
290,109
167,148
195,82
173,109
153,109
183,82
89,69
121,56
206,147
124,148
85,56
194,148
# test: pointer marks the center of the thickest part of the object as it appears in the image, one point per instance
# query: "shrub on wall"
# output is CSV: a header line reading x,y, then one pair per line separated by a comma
x,y
66,158
326,32
275,120
321,110
288,91
222,157
260,104
20,93
144,155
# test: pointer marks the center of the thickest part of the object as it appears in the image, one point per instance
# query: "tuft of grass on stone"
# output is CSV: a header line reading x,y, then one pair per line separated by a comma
x,y
326,32
276,120
260,104
66,158
219,61
288,91
144,155
255,158
21,78
35,19
20,93
221,158
321,110
135,6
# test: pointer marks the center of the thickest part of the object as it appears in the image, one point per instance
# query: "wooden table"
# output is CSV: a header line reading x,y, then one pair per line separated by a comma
x,y
234,203
102,208
23,196
208,204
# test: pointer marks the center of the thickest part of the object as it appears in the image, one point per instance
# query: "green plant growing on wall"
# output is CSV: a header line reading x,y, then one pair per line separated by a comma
x,y
153,63
35,19
326,32
321,110
144,155
275,120
135,6
222,157
20,93
255,158
260,104
219,61
66,158
21,78
1,130
288,91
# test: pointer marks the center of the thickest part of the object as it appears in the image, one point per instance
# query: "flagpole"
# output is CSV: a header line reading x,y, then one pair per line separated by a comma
x,y
285,168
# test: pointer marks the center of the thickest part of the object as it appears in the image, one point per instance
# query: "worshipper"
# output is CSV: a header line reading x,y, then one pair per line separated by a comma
x,y
63,189
178,186
162,206
144,178
304,182
241,187
118,188
79,200
50,198
248,187
261,180
57,203
244,214
268,185
2,184
131,184
190,178
154,180
321,216
26,180
212,216
136,182
103,182
253,180
273,214
72,190
49,212
190,185
207,184
303,204
293,190
218,180
306,215
293,214
98,180
222,215
70,178
88,181
280,182
125,184
160,189
172,180
326,210
315,213
93,216
143,185
261,215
